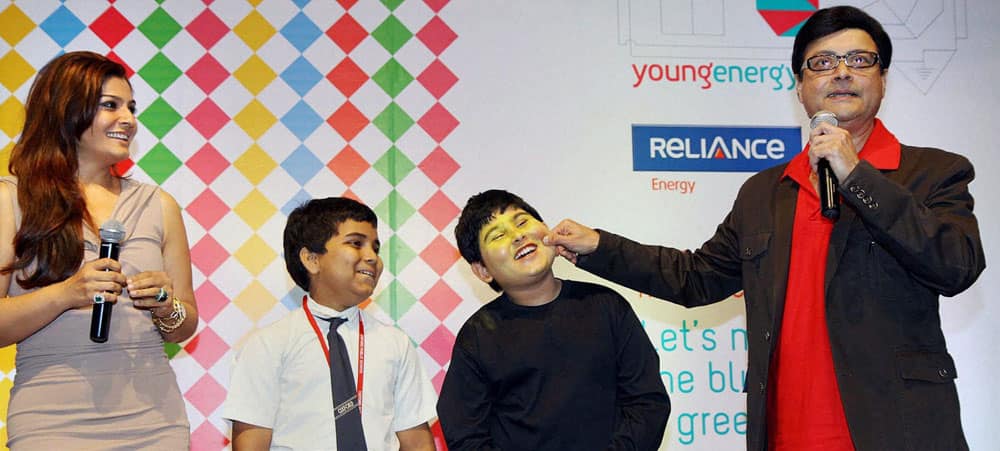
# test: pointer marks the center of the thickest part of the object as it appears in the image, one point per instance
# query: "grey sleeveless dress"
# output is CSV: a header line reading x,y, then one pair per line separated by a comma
x,y
72,393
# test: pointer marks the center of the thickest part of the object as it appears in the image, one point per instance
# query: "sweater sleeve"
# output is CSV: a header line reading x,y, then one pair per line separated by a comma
x,y
643,403
466,400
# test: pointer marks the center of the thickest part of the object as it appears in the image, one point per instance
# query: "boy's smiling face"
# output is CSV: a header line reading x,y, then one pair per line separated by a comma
x,y
346,274
512,251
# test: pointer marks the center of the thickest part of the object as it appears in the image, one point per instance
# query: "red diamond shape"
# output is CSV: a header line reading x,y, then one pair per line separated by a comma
x,y
437,78
347,4
438,122
206,395
111,27
348,165
206,347
207,209
436,5
347,77
208,438
207,73
437,381
439,210
207,163
207,28
347,33
114,57
351,195
207,255
211,301
441,300
208,118
436,35
122,167
440,255
348,121
439,166
438,345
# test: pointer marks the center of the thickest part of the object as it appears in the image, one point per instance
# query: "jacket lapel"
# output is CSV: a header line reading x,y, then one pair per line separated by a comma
x,y
784,218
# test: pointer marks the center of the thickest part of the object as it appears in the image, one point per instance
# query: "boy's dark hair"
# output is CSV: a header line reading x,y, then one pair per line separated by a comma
x,y
831,20
312,224
478,211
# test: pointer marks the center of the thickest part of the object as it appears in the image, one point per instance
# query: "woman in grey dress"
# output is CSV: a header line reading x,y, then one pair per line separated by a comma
x,y
70,391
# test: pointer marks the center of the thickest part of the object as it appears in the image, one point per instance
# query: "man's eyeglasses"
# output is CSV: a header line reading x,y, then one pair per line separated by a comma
x,y
854,60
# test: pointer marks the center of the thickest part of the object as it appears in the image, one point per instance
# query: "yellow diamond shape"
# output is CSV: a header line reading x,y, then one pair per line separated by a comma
x,y
5,159
255,255
11,116
254,30
15,71
255,301
7,361
255,164
15,25
255,119
255,209
255,74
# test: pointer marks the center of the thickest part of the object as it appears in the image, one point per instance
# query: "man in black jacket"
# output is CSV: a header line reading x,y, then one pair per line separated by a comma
x,y
845,341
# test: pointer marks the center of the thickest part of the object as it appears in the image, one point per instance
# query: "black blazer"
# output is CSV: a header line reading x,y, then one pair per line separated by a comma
x,y
905,237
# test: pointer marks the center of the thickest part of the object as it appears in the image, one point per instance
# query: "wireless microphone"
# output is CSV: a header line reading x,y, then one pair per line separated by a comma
x,y
829,203
112,233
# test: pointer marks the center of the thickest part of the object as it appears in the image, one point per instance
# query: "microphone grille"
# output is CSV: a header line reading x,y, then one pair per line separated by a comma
x,y
112,231
823,116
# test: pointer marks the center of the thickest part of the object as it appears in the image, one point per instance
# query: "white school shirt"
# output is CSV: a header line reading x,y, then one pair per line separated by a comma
x,y
280,380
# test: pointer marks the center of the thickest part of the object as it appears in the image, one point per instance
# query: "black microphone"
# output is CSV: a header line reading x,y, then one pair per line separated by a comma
x,y
112,233
829,203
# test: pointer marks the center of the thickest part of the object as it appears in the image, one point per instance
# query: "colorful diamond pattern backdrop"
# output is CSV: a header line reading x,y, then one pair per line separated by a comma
x,y
246,110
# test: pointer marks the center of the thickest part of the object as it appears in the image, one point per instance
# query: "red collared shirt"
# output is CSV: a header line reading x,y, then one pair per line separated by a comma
x,y
804,408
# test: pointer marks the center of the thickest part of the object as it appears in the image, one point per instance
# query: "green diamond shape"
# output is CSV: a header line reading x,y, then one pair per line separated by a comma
x,y
395,300
399,255
159,28
160,163
392,34
171,349
394,166
394,209
392,4
393,121
160,73
392,77
159,117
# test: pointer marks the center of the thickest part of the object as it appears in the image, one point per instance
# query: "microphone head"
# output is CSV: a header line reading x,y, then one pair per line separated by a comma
x,y
112,231
823,116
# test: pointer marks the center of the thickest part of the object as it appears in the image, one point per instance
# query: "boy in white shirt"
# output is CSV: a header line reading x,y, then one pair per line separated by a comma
x,y
280,395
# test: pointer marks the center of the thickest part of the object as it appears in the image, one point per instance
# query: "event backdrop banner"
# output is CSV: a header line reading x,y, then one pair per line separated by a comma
x,y
642,117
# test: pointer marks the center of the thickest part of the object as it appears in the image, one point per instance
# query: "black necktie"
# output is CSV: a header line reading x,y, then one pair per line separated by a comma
x,y
347,411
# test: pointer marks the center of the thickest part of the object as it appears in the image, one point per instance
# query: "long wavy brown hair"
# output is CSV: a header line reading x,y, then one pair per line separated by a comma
x,y
61,105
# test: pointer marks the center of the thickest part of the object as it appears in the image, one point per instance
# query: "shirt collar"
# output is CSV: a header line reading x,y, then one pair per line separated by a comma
x,y
881,151
323,312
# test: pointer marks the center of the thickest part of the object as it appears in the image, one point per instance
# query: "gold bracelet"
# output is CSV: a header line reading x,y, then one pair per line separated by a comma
x,y
172,322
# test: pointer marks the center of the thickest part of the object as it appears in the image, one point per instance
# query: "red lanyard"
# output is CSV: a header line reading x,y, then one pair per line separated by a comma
x,y
326,348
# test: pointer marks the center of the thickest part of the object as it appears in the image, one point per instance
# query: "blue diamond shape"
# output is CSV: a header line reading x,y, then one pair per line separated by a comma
x,y
297,200
301,32
301,76
293,299
302,120
302,165
62,26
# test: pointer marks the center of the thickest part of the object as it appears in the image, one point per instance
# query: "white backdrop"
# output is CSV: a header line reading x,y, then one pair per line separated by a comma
x,y
547,98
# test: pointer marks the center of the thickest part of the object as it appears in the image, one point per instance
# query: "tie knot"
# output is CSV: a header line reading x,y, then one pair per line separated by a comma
x,y
335,322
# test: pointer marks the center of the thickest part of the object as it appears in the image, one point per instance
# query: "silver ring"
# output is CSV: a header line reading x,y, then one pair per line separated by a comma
x,y
162,295
99,298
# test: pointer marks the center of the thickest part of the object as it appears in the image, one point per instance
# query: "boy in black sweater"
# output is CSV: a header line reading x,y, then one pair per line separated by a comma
x,y
550,364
